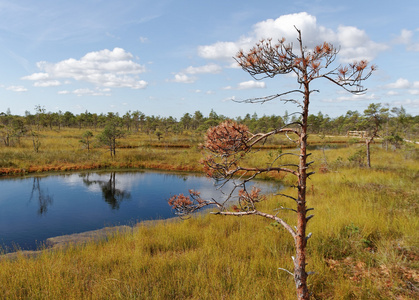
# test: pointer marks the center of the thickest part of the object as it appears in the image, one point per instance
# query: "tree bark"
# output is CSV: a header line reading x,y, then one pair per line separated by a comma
x,y
368,142
300,274
114,146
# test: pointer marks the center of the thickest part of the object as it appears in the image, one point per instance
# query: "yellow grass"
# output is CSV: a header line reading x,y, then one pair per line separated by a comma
x,y
364,244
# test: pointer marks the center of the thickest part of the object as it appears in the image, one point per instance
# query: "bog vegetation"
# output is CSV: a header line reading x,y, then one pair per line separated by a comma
x,y
56,141
365,238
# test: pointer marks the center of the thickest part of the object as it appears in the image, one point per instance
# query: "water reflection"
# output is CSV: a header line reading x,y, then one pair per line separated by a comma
x,y
77,202
44,198
112,195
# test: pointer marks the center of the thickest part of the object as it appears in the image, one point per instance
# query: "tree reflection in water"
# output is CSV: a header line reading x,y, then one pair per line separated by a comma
x,y
110,193
44,198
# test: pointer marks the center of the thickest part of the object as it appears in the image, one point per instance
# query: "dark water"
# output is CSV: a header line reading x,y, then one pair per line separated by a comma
x,y
33,209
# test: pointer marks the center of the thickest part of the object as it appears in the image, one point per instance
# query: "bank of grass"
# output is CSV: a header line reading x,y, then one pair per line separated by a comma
x,y
61,150
365,244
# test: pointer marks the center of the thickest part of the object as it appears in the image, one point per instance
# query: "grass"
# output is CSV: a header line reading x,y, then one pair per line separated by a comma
x,y
62,151
365,242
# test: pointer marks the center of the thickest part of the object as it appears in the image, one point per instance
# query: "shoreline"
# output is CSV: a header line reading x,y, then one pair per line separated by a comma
x,y
76,239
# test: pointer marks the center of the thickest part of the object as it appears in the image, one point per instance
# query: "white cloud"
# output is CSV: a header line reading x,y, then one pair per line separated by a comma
x,y
107,68
42,80
363,97
47,83
355,43
37,76
407,102
87,91
283,26
414,92
246,85
413,47
210,68
143,39
17,88
392,93
81,92
400,83
251,84
406,38
223,50
183,78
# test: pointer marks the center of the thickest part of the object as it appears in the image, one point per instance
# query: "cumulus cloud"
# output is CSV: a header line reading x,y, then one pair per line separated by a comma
x,y
47,83
246,85
283,26
362,97
407,102
42,80
355,43
210,68
223,50
400,83
392,93
406,37
37,76
251,84
87,91
17,88
402,86
105,68
183,77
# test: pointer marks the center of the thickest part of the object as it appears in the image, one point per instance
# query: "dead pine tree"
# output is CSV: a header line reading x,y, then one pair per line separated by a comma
x,y
229,142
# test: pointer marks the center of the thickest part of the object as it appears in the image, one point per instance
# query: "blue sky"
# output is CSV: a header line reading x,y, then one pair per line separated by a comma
x,y
169,57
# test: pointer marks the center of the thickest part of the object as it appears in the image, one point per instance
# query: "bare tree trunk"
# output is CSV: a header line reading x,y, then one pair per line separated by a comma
x,y
114,146
300,274
368,142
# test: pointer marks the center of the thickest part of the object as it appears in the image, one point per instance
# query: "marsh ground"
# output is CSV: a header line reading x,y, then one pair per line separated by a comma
x,y
364,243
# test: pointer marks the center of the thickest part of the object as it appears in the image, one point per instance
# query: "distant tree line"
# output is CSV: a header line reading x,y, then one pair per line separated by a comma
x,y
395,124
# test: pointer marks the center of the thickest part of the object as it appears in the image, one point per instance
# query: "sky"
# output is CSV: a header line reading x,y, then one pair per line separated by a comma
x,y
171,57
